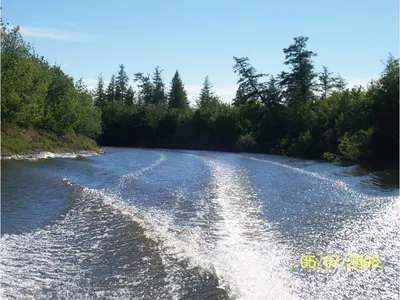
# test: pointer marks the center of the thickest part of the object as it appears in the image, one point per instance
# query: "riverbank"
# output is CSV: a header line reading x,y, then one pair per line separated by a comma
x,y
19,142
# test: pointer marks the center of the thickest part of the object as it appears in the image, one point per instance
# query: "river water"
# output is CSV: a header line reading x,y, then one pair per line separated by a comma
x,y
161,224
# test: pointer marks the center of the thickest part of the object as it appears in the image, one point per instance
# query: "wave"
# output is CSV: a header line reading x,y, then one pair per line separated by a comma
x,y
375,231
379,234
125,179
229,243
340,185
107,247
45,155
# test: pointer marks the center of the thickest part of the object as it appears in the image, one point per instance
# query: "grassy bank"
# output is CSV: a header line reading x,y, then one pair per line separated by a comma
x,y
16,140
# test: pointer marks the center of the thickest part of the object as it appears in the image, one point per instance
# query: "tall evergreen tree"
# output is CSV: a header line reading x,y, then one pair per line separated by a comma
x,y
273,94
240,97
121,86
99,94
177,95
80,86
326,82
159,93
111,90
130,96
299,83
206,96
146,89
250,87
340,83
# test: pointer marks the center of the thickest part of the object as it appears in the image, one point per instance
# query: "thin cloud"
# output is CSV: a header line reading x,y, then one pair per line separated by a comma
x,y
53,33
360,81
90,84
71,25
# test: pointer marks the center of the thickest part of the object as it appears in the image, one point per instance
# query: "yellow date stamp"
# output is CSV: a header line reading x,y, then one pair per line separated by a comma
x,y
351,261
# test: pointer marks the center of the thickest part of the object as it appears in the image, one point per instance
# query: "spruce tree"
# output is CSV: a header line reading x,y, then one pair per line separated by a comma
x,y
121,84
111,90
146,89
177,97
240,97
130,97
298,84
158,93
99,94
249,86
206,96
340,83
80,86
326,82
273,94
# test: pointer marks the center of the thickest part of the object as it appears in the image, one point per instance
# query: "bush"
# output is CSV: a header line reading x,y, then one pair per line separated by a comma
x,y
356,147
246,142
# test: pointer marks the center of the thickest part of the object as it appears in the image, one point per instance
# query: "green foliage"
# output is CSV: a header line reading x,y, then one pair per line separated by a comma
x,y
298,84
100,97
274,114
355,147
36,95
130,96
327,83
16,140
61,112
351,125
177,96
384,97
24,81
206,96
146,94
111,90
159,96
89,117
330,157
246,142
250,89
121,85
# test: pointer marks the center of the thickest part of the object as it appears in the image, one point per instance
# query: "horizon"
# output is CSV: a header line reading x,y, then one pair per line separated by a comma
x,y
200,41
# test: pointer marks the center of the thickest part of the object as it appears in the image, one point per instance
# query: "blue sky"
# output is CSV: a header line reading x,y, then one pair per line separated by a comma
x,y
200,38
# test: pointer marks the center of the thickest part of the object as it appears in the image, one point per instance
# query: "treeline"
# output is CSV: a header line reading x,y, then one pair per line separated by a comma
x,y
299,112
35,94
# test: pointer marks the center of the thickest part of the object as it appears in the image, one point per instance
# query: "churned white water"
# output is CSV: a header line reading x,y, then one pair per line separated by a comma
x,y
221,233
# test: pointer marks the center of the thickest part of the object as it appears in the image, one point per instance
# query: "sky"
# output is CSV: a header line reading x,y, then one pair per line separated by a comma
x,y
200,38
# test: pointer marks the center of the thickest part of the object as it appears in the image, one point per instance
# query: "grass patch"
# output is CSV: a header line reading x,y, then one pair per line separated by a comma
x,y
15,140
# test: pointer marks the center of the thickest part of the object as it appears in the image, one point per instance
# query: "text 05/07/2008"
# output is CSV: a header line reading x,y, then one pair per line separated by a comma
x,y
351,261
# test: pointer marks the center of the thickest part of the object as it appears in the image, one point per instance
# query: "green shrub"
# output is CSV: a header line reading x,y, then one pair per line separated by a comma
x,y
246,142
355,147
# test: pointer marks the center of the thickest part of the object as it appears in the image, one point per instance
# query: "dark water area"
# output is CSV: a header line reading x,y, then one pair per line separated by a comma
x,y
165,224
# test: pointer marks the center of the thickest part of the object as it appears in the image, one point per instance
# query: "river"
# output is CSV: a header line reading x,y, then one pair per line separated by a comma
x,y
164,224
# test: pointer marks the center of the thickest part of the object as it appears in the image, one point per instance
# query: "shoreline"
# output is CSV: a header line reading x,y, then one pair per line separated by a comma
x,y
32,144
48,154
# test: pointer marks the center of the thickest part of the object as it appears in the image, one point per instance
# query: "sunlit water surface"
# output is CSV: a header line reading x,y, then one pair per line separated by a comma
x,y
158,224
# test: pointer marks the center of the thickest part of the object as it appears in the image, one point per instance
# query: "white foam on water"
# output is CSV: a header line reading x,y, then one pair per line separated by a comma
x,y
377,232
45,155
159,227
247,257
125,179
377,235
237,245
49,258
242,252
337,184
